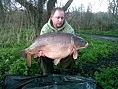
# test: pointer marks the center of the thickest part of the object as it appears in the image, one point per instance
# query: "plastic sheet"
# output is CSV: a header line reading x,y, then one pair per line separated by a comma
x,y
53,81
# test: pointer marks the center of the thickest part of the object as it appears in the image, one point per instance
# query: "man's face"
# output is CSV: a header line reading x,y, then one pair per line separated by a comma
x,y
58,18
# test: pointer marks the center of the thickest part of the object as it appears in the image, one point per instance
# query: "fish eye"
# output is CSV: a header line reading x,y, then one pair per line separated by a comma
x,y
81,40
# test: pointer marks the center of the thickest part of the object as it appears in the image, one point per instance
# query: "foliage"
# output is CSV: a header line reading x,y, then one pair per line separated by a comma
x,y
19,67
99,32
12,42
107,77
97,49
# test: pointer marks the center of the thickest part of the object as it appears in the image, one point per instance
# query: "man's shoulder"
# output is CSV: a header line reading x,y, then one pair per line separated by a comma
x,y
67,24
68,28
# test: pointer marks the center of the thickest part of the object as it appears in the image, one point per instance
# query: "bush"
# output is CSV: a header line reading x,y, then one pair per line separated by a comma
x,y
107,77
97,49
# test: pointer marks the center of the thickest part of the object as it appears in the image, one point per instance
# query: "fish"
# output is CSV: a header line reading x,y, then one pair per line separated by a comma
x,y
54,45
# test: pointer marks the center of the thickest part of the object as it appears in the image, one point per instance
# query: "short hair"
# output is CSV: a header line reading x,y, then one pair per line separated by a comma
x,y
57,8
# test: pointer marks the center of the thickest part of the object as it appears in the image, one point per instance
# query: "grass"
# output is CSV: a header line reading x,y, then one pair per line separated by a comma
x,y
99,32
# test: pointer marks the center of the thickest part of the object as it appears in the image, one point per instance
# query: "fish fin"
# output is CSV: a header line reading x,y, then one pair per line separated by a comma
x,y
56,61
23,54
28,60
72,41
75,54
74,48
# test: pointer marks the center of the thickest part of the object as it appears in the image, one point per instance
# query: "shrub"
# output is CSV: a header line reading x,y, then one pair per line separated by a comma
x,y
107,77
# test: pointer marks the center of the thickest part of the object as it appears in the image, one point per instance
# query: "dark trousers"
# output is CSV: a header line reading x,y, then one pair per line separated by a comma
x,y
47,64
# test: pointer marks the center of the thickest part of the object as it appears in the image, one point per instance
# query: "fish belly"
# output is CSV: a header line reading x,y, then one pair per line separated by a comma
x,y
57,51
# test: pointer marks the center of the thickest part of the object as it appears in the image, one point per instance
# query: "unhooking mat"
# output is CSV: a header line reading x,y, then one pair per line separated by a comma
x,y
53,81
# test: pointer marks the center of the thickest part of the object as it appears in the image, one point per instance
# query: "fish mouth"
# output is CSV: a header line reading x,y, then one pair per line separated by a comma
x,y
86,45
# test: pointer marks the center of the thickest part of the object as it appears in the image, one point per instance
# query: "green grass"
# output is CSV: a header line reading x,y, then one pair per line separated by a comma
x,y
107,77
99,32
97,48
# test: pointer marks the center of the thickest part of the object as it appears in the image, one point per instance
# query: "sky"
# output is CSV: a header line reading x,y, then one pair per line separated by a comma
x,y
97,5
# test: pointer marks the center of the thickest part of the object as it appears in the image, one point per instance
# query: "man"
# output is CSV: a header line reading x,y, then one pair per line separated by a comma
x,y
56,23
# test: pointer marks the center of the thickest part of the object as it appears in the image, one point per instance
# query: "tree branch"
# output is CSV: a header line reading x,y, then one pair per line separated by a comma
x,y
67,5
27,5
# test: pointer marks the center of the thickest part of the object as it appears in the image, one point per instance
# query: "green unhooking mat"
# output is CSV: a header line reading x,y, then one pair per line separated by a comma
x,y
53,81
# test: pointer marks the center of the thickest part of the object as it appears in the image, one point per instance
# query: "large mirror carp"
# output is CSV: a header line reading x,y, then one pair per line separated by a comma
x,y
55,45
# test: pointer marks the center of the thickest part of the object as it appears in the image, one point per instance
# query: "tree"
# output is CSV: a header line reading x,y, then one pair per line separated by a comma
x,y
2,14
37,12
113,8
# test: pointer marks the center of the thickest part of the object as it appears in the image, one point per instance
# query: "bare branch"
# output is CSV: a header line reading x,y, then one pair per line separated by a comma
x,y
67,5
27,5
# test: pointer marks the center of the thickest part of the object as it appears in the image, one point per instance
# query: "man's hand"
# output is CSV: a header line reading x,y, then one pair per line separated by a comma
x,y
71,53
39,54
